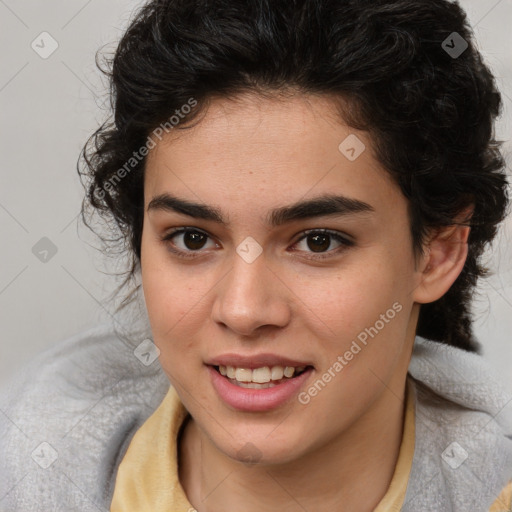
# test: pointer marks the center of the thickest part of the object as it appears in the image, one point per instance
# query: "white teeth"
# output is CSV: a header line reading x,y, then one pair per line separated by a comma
x,y
289,371
254,385
261,375
243,375
277,372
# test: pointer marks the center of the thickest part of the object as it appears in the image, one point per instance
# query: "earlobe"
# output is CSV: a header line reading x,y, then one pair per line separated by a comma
x,y
443,261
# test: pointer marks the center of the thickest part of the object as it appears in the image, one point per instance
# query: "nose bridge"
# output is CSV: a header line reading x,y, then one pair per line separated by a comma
x,y
250,295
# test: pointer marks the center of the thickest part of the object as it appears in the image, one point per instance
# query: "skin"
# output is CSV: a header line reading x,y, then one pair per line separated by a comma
x,y
247,156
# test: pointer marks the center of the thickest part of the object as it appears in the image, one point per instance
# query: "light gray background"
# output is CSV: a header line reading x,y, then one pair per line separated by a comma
x,y
48,109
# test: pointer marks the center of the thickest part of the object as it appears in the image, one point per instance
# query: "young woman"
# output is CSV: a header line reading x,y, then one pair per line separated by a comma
x,y
306,188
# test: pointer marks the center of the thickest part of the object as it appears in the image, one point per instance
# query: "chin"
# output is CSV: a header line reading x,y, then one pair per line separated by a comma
x,y
252,450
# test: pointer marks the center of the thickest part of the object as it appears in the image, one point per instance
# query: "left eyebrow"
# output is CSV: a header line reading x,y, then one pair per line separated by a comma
x,y
322,206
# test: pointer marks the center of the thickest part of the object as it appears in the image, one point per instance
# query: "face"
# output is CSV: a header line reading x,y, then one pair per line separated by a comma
x,y
247,263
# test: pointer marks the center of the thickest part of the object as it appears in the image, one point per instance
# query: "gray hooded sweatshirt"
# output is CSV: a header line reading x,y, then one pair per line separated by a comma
x,y
67,418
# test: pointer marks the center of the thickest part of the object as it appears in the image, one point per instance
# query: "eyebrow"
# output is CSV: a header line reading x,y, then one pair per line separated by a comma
x,y
327,205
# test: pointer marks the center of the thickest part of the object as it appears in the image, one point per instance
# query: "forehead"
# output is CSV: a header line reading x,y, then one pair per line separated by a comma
x,y
254,152
253,119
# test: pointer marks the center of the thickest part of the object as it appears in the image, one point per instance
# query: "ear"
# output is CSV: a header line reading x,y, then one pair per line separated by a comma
x,y
444,256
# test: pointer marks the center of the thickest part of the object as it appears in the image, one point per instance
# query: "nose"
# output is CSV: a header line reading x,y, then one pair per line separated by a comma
x,y
251,296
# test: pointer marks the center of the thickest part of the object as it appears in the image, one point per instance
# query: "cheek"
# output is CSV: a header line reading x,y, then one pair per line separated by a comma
x,y
364,319
176,301
351,299
167,297
169,313
167,290
163,292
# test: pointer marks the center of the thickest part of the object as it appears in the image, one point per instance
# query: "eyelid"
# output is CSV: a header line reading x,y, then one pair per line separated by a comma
x,y
167,238
344,240
332,232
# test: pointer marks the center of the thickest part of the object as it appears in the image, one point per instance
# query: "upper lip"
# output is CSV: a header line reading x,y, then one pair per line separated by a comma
x,y
254,361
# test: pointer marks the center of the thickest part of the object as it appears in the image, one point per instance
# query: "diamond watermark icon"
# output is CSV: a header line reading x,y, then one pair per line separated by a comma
x,y
352,147
454,45
249,249
45,455
249,454
454,455
44,250
44,45
147,352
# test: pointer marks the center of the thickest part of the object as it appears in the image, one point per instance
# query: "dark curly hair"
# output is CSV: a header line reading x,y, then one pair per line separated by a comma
x,y
430,113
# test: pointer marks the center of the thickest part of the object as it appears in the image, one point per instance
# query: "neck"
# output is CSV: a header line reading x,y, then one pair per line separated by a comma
x,y
335,476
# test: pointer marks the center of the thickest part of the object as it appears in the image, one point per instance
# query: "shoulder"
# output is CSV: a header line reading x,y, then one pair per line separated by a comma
x,y
67,417
463,427
504,501
461,382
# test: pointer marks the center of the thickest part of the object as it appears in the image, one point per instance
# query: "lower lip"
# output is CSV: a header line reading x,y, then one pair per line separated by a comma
x,y
256,400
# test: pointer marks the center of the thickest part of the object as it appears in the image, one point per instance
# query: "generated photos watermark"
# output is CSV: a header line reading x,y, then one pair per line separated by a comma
x,y
139,155
343,360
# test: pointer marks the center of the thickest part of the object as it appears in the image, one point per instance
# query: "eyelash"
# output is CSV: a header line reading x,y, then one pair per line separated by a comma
x,y
345,242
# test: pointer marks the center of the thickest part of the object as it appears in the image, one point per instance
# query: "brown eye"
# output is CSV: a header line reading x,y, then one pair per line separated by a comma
x,y
194,240
185,242
320,240
318,243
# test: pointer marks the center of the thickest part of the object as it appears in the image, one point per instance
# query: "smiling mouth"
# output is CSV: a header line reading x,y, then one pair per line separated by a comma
x,y
260,378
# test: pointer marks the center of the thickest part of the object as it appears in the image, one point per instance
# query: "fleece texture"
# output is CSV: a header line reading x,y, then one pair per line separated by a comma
x,y
68,416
